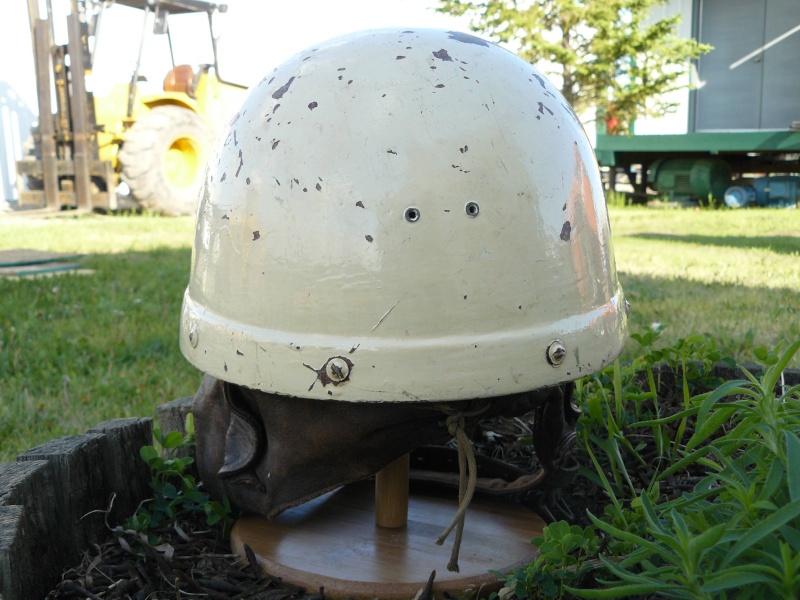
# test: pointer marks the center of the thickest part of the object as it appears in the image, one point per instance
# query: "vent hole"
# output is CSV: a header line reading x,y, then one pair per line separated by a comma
x,y
412,214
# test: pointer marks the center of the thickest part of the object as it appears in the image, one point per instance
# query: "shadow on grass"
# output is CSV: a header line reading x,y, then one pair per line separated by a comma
x,y
77,350
737,317
780,244
81,349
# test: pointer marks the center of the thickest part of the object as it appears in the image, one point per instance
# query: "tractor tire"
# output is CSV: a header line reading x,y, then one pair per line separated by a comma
x,y
163,159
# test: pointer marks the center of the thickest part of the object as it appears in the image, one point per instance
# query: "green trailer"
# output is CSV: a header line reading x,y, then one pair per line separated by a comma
x,y
694,165
743,117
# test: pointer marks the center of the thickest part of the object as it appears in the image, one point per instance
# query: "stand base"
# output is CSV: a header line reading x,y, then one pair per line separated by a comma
x,y
333,542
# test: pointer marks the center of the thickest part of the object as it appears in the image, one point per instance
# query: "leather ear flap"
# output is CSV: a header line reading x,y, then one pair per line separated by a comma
x,y
244,440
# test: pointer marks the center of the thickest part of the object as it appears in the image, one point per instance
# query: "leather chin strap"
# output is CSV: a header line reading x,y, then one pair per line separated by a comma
x,y
268,452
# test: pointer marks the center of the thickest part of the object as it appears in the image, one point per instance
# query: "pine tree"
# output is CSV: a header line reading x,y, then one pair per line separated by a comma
x,y
601,51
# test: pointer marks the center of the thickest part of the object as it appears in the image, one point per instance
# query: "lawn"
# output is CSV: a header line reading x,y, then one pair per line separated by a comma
x,y
78,349
733,275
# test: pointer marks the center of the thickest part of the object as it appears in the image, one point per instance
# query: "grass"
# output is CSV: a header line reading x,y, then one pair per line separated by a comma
x,y
734,275
76,350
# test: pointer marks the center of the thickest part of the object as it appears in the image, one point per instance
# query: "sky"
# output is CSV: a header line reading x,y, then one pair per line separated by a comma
x,y
255,35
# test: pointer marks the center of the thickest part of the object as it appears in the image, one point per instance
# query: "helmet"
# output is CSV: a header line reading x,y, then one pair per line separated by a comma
x,y
402,215
400,233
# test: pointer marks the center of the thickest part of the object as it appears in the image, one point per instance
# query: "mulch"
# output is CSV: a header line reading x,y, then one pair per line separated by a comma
x,y
186,560
190,560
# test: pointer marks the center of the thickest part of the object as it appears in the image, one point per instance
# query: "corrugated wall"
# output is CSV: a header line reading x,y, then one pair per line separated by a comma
x,y
750,80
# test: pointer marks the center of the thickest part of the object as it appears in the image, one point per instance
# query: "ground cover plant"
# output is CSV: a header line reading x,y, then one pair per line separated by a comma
x,y
698,480
77,350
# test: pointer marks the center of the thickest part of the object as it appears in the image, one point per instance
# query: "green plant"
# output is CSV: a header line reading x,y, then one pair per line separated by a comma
x,y
736,531
563,552
175,490
618,199
624,423
614,57
712,203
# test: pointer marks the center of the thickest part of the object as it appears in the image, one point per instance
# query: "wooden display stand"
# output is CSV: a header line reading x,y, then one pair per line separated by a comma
x,y
364,544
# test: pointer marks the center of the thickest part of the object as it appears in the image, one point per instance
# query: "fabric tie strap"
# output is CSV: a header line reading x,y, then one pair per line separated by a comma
x,y
467,470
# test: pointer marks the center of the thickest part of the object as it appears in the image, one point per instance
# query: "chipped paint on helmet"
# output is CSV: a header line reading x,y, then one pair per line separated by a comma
x,y
423,196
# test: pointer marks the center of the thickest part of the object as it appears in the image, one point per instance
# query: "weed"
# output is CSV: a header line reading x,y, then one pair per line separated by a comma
x,y
617,199
731,447
563,550
175,490
737,531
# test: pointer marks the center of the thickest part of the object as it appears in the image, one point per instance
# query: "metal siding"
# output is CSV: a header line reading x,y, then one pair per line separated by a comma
x,y
671,8
730,27
781,85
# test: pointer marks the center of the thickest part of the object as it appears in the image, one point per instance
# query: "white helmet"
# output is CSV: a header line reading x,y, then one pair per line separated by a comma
x,y
402,215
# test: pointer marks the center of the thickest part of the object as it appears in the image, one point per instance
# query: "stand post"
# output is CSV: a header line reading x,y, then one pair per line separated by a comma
x,y
391,494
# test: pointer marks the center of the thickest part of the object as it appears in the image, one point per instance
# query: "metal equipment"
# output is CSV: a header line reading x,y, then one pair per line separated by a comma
x,y
777,191
686,178
743,115
155,143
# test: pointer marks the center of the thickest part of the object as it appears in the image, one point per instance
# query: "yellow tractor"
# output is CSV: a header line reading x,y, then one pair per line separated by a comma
x,y
155,143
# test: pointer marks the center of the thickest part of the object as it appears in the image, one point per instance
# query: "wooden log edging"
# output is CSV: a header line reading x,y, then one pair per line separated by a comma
x,y
55,500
